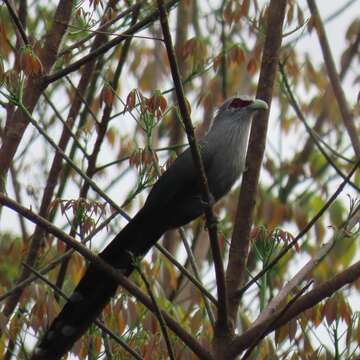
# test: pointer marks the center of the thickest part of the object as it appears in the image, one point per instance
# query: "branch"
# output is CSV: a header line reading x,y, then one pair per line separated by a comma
x,y
308,267
103,266
313,297
102,129
222,322
97,322
315,138
309,225
334,78
158,314
107,46
17,124
17,22
263,334
303,156
53,263
239,246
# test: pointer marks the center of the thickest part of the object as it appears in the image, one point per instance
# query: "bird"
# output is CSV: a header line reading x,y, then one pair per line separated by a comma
x,y
174,200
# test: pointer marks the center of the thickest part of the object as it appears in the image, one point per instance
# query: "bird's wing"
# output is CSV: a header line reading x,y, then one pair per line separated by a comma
x,y
181,179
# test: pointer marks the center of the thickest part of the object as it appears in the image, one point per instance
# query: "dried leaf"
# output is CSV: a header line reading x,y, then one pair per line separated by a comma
x,y
107,94
130,100
252,66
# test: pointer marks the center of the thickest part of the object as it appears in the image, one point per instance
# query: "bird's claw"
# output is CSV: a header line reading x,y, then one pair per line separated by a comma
x,y
206,203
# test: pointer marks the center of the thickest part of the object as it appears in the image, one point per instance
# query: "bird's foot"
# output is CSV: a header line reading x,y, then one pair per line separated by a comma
x,y
206,203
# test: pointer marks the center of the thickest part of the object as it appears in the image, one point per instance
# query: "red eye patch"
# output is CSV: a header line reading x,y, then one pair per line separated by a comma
x,y
238,103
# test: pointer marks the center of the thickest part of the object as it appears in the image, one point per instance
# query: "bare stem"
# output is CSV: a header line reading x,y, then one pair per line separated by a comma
x,y
222,319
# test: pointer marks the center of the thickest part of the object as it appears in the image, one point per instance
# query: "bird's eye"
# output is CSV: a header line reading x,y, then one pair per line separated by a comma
x,y
238,103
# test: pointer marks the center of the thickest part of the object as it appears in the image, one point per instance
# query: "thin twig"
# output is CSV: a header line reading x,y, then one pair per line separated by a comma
x,y
184,271
51,265
157,313
101,28
63,121
71,163
110,44
309,225
334,78
222,318
116,162
115,33
17,22
115,274
195,269
313,297
339,235
301,117
288,305
97,322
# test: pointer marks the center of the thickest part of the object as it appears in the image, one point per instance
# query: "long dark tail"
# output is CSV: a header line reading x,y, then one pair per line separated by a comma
x,y
96,288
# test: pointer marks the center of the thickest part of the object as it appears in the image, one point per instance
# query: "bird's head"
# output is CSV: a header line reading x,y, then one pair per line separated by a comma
x,y
236,106
236,113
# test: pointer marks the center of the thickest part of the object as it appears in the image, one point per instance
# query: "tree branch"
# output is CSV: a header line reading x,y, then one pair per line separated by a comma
x,y
222,322
239,246
97,322
340,235
334,78
107,46
115,274
17,22
241,291
313,297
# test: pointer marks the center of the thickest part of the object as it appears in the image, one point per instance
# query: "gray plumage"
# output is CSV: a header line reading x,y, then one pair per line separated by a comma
x,y
174,200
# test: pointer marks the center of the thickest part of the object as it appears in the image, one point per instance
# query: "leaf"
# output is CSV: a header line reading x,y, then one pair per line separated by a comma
x,y
149,77
329,310
252,66
196,321
292,329
345,311
111,136
290,13
131,100
300,16
5,48
281,334
357,332
316,203
132,312
300,217
228,12
217,62
29,62
107,94
237,55
2,72
337,212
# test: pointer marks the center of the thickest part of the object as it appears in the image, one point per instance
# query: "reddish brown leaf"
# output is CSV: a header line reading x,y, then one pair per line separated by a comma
x,y
252,66
107,94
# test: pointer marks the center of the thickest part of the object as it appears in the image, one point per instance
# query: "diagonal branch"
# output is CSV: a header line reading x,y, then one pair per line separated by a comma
x,y
313,297
107,46
97,322
340,235
334,78
17,22
309,225
103,266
